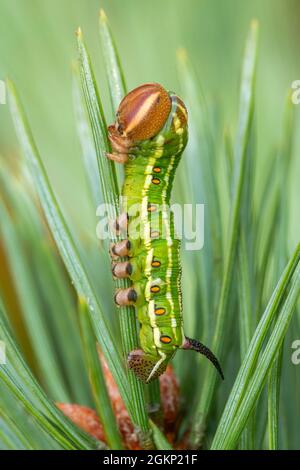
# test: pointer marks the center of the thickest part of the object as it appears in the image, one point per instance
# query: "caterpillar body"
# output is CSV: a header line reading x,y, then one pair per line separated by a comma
x,y
149,136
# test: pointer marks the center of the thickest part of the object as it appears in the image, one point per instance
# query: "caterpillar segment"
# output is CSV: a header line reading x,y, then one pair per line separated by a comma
x,y
120,224
149,136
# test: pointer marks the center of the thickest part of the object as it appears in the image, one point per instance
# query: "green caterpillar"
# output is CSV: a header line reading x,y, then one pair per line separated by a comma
x,y
149,136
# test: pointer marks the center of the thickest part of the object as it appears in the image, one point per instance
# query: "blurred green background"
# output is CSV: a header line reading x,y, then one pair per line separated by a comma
x,y
38,50
37,46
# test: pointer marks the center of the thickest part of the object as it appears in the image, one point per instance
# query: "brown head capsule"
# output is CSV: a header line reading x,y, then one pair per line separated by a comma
x,y
143,112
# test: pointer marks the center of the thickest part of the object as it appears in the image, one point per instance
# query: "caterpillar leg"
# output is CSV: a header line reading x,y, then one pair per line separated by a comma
x,y
120,249
122,270
118,157
199,347
120,224
125,297
120,145
146,367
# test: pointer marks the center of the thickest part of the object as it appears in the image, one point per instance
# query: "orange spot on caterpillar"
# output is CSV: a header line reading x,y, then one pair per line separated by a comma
x,y
154,289
157,169
156,264
160,311
165,339
156,181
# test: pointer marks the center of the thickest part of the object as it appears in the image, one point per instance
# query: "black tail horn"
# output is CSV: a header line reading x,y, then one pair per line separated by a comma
x,y
199,347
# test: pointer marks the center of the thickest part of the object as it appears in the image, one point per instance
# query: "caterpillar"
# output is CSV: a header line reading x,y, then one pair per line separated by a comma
x,y
149,135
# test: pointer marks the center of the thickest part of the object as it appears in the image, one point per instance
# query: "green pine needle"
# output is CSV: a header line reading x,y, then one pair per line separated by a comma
x,y
240,292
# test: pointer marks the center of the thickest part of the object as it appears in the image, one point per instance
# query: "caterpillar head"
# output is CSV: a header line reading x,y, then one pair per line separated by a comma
x,y
143,113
